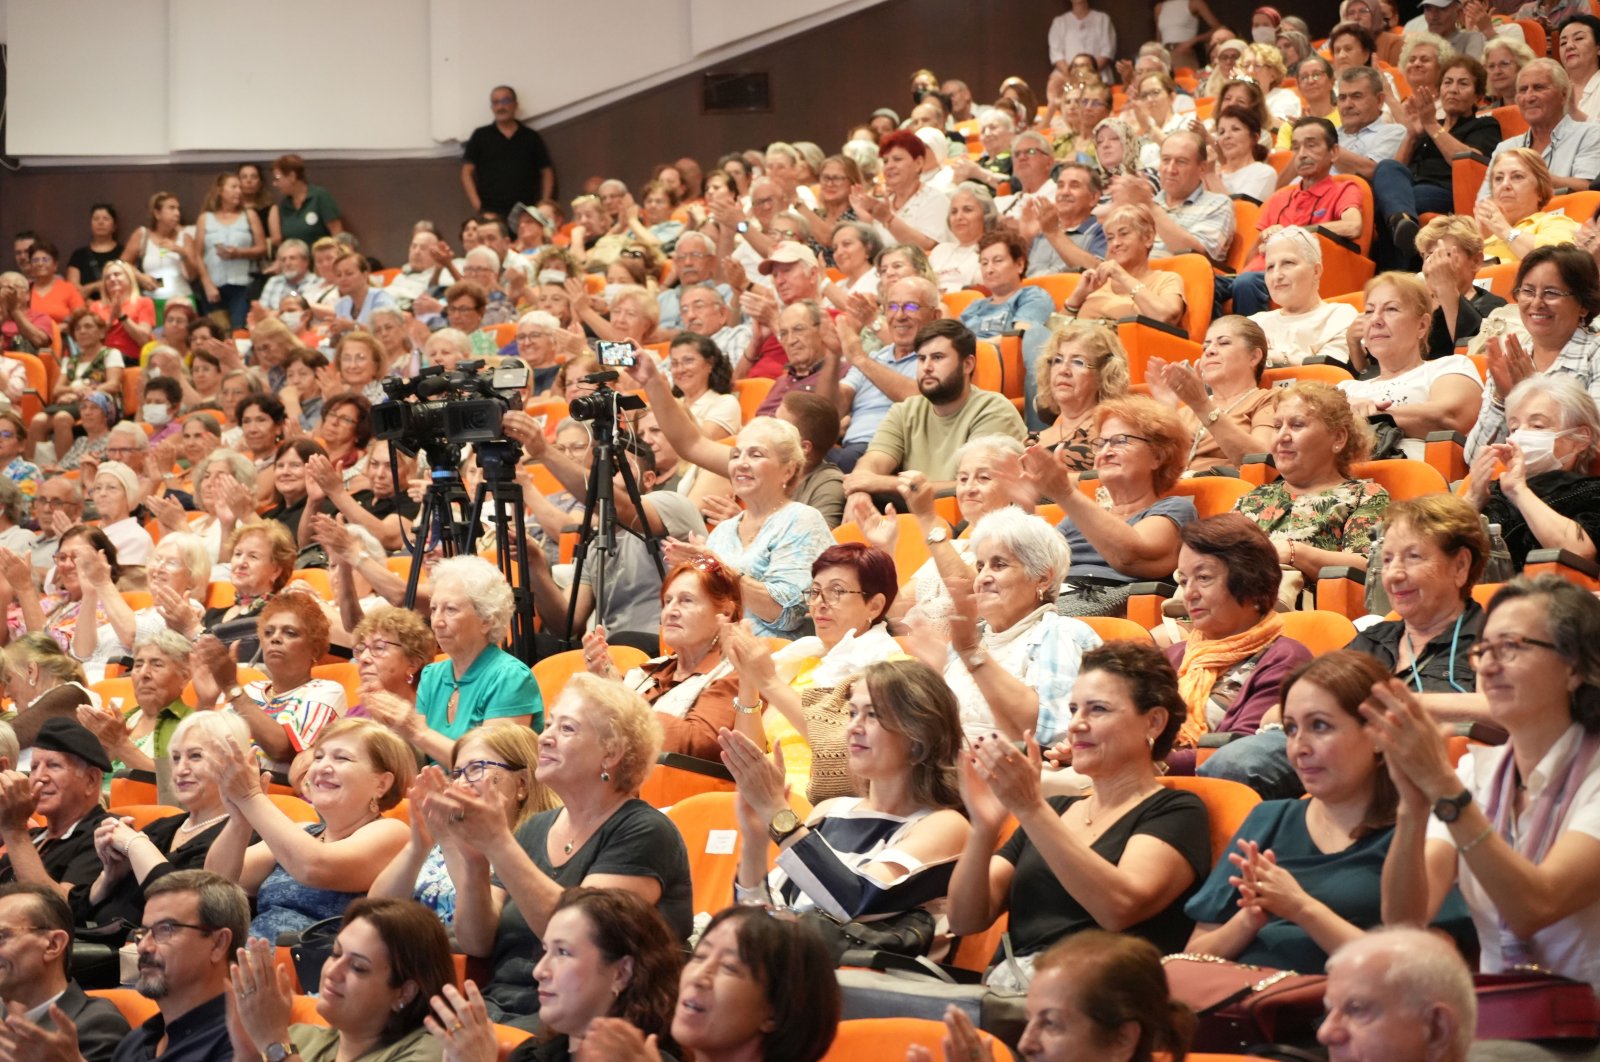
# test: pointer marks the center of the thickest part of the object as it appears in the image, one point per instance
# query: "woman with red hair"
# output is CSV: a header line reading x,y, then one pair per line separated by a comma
x,y
692,688
923,208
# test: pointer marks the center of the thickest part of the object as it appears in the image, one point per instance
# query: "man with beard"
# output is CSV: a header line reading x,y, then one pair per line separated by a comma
x,y
58,1019
924,432
193,922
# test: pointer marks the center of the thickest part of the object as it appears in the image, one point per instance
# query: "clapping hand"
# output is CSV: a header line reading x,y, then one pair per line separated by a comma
x,y
879,529
961,1041
235,769
676,551
260,997
167,511
27,1041
1011,773
597,654
17,800
214,667
1508,364
1406,735
1264,887
760,778
461,1025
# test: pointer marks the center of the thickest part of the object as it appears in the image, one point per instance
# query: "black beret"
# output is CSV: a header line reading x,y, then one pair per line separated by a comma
x,y
62,734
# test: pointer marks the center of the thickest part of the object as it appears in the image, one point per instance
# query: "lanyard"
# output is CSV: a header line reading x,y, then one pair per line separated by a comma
x,y
1416,678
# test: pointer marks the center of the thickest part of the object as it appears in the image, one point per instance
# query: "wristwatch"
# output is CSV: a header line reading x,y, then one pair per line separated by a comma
x,y
939,534
1211,418
279,1051
1448,809
782,827
234,693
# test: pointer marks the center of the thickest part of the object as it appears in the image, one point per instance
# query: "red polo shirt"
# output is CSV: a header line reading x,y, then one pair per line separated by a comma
x,y
1325,201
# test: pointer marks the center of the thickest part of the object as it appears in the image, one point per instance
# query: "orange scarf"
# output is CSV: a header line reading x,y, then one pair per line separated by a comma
x,y
1206,660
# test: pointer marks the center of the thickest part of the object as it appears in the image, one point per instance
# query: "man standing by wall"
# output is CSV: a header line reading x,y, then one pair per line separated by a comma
x,y
505,162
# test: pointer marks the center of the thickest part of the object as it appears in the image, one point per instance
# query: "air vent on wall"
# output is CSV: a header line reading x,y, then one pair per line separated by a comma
x,y
734,93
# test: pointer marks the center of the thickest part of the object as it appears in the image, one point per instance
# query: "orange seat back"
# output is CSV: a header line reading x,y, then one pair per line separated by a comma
x,y
1227,803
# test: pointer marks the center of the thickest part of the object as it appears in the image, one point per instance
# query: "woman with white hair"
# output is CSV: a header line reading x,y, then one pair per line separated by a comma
x,y
1544,496
225,490
178,576
1012,658
470,606
388,324
448,347
1304,325
772,543
633,313
116,494
1503,60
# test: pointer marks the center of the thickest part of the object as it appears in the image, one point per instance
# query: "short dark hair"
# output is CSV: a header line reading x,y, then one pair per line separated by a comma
x,y
1356,30
419,950
1584,19
1150,680
363,413
1013,243
311,358
268,404
959,335
1247,553
1577,269
1348,676
874,569
204,355
96,538
167,386
1480,76
815,417
795,970
1252,122
1330,134
50,910
623,924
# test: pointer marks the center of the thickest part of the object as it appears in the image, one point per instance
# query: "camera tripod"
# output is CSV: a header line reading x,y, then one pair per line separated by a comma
x,y
451,521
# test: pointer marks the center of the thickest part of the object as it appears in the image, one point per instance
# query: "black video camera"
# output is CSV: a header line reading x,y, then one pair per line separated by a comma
x,y
601,407
437,411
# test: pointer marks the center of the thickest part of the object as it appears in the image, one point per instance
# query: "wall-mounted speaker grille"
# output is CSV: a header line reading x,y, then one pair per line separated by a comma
x,y
734,93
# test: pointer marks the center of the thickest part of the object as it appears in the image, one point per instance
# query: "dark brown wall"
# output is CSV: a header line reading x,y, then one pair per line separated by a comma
x,y
823,81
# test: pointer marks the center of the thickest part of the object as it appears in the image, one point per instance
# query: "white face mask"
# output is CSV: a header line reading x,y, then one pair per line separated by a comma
x,y
1263,34
1538,449
292,320
552,276
611,292
158,415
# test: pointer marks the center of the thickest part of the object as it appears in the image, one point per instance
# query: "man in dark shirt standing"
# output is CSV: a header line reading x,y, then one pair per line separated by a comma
x,y
505,162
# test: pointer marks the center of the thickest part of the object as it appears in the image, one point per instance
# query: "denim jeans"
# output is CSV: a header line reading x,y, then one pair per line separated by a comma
x,y
1396,191
1260,761
1247,290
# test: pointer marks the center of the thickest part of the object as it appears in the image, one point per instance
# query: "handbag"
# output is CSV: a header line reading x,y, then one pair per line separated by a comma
x,y
909,933
1386,438
1239,1005
1533,1005
312,950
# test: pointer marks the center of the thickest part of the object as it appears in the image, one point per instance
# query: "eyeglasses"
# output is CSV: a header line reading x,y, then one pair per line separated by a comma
x,y
530,337
1119,441
834,178
8,435
682,255
43,502
1506,650
1540,294
633,252
343,418
574,450
1028,153
466,307
122,449
473,772
162,932
904,307
8,933
377,647
831,594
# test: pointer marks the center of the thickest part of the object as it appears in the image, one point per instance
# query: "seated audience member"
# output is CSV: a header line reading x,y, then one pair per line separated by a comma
x,y
390,959
1503,60
301,394
609,981
1416,180
345,432
187,974
162,398
1421,396
705,311
299,874
1083,365
855,250
133,860
924,431
1399,992
1452,252
359,358
1069,235
62,788
1125,284
288,709
1515,217
94,412
1570,148
15,467
1313,199
296,499
51,294
771,544
271,343
58,613
1236,655
293,277
804,685
13,536
1557,291
821,484
1187,218
1538,486
599,743
1364,135
261,559
811,366
136,736
1434,551
694,265
1126,856
880,857
1094,988
496,763
262,421
36,982
42,682
22,328
1224,406
691,686
1011,305
1303,877
1152,112
389,646
1316,513
1239,167
1015,673
703,380
875,382
1133,533
116,495
225,493
358,299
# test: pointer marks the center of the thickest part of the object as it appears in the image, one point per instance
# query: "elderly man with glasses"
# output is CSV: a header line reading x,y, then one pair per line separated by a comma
x,y
58,506
694,261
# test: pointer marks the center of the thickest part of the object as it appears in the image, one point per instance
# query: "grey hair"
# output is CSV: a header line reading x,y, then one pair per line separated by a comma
x,y
481,252
141,441
10,748
1005,118
168,642
1032,134
388,311
987,444
696,234
801,223
455,337
985,200
1578,410
867,234
243,469
1373,79
863,153
1303,240
812,308
1558,74
294,244
1573,616
780,147
927,290
487,589
194,554
1441,48
1157,49
573,422
222,903
1039,548
10,500
224,726
1423,970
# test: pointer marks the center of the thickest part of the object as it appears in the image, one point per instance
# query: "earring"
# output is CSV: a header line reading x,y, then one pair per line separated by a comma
x,y
605,776
412,678
1151,742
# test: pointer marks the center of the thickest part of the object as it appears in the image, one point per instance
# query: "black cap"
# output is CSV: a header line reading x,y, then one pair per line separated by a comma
x,y
62,734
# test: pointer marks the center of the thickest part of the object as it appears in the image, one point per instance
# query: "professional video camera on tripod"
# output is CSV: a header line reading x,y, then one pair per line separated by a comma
x,y
436,413
603,410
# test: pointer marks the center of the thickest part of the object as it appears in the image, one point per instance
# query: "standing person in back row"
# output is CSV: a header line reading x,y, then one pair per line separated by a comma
x,y
505,162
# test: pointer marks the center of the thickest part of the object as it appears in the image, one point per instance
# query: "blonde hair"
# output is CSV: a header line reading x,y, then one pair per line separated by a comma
x,y
1463,230
632,723
1103,347
518,746
1332,406
1269,56
785,440
1411,288
1136,214
1534,163
386,753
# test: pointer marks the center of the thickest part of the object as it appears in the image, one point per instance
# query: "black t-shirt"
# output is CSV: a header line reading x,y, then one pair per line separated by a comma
x,y
1043,912
1429,166
126,899
636,841
506,168
90,262
1441,665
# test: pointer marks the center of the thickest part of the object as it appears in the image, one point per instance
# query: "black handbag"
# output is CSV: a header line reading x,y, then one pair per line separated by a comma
x,y
910,933
1386,438
312,950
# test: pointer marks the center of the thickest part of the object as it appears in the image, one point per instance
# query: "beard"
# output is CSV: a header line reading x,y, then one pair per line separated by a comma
x,y
944,391
152,982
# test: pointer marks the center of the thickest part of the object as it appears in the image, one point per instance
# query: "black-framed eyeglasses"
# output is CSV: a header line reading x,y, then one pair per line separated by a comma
x,y
1119,441
1505,650
474,771
162,931
831,594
